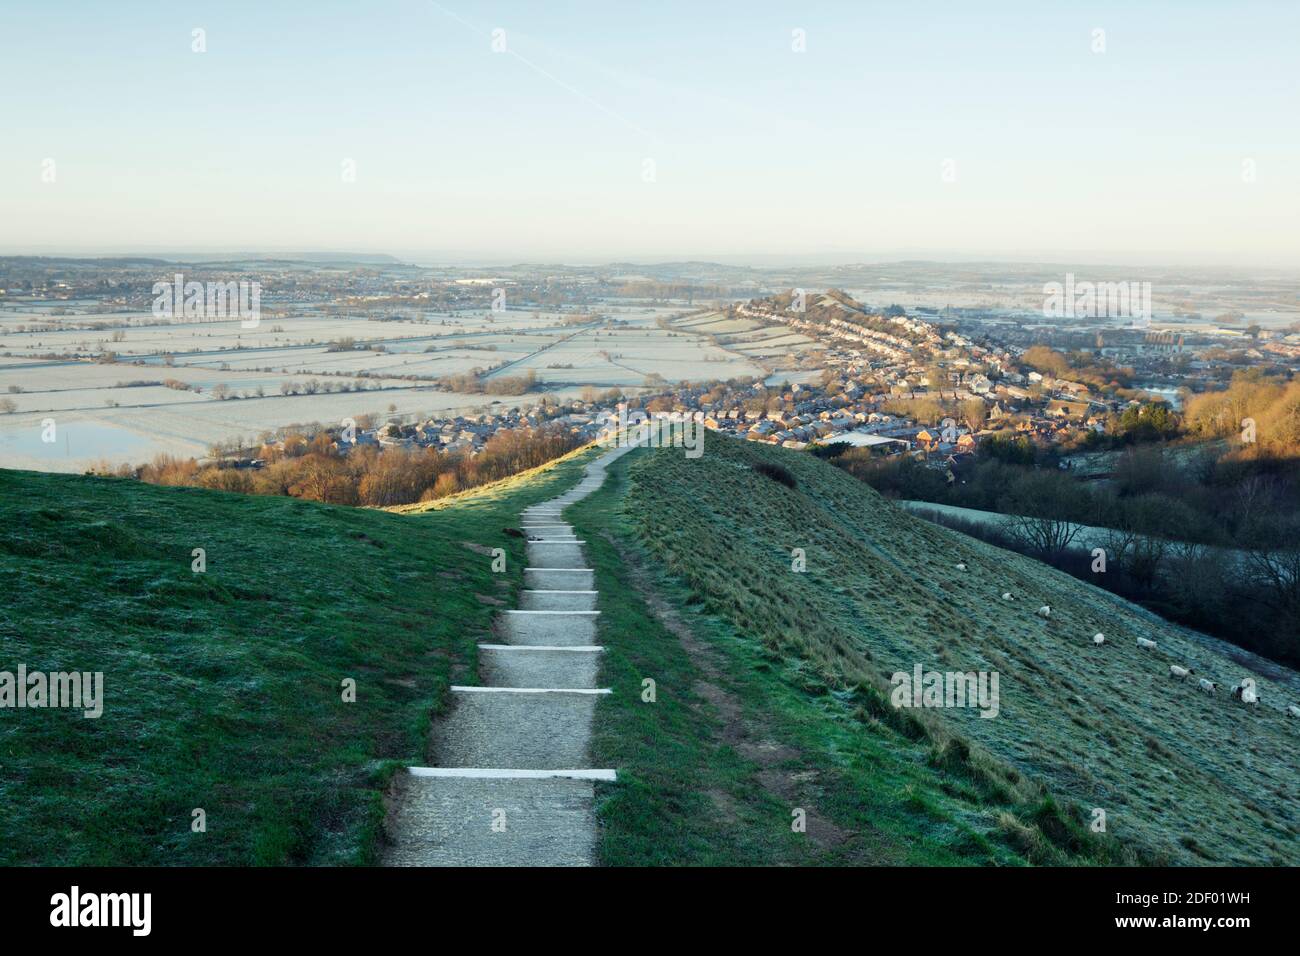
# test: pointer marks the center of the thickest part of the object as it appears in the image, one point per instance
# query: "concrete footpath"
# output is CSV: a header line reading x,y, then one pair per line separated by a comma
x,y
512,783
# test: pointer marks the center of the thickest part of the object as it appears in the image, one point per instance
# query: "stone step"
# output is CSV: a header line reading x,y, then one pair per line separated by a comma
x,y
443,820
514,665
532,729
559,579
548,628
514,752
557,600
560,554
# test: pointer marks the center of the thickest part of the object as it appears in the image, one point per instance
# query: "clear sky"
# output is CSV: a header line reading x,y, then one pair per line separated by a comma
x,y
655,131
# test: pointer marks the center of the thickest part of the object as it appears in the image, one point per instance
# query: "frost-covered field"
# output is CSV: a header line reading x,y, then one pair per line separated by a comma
x,y
53,370
88,434
628,356
775,348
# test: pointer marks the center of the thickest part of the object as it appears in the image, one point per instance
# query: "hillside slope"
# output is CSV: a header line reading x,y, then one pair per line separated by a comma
x,y
223,689
743,756
1184,777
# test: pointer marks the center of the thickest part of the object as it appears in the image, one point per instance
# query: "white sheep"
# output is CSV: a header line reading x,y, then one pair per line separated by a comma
x,y
1208,686
1179,671
1246,692
1006,596
961,567
1148,645
1292,710
1044,611
1099,638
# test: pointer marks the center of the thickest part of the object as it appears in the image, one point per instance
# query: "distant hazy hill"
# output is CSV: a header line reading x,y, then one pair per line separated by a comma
x,y
207,259
363,258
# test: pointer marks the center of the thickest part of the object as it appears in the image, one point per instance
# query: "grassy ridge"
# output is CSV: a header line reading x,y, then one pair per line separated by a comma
x,y
1183,777
222,689
741,734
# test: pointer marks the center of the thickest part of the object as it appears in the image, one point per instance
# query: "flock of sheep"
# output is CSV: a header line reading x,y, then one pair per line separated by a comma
x,y
1243,691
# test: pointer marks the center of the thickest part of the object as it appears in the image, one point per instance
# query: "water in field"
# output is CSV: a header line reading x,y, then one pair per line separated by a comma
x,y
1165,393
24,447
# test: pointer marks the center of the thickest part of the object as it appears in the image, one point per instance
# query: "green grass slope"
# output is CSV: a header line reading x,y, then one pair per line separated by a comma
x,y
223,689
738,738
1184,777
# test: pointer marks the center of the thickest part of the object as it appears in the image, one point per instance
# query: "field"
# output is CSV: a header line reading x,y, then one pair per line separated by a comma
x,y
775,347
120,411
1183,777
223,689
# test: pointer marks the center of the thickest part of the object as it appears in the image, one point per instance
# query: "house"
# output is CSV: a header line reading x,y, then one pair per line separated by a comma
x,y
1060,409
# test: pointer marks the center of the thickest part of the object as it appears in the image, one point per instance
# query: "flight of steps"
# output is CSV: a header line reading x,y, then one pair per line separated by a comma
x,y
514,750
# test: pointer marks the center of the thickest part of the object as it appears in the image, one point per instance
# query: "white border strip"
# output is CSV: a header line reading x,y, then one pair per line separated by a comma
x,y
493,773
581,648
459,689
517,611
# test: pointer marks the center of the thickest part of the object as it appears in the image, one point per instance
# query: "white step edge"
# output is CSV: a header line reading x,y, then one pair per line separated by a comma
x,y
459,689
557,569
557,542
517,611
537,591
580,649
488,773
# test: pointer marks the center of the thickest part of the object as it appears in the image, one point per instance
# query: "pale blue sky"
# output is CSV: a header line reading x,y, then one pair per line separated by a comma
x,y
1134,154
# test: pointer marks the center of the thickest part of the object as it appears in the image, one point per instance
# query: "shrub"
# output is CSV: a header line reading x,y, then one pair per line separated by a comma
x,y
777,473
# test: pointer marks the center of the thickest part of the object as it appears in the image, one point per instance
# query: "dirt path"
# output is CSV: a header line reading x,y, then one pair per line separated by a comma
x,y
747,733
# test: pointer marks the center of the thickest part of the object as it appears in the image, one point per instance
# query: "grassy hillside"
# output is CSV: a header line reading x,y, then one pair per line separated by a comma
x,y
222,689
806,657
741,735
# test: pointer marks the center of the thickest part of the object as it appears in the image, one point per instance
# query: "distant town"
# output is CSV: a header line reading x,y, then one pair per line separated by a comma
x,y
136,357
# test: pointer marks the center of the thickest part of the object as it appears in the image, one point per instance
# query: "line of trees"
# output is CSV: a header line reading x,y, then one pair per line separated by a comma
x,y
313,469
1206,533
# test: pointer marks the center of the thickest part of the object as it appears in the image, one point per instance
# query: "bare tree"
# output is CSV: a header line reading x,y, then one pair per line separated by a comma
x,y
1035,510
